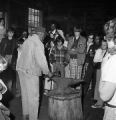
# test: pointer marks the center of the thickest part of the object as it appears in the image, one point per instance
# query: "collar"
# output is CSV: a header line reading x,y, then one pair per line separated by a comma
x,y
77,37
89,44
54,31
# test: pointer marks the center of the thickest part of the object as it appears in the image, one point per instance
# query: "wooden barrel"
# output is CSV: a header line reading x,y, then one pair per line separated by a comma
x,y
65,107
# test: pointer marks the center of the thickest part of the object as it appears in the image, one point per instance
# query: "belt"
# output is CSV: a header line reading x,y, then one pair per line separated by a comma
x,y
109,105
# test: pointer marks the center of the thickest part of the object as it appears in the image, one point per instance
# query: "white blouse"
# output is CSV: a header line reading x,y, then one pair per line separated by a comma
x,y
99,55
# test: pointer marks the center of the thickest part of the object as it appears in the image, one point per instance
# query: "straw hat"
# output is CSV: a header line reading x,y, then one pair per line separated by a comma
x,y
38,29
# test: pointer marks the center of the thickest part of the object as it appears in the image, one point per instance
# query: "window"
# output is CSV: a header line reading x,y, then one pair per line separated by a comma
x,y
5,17
1,14
33,19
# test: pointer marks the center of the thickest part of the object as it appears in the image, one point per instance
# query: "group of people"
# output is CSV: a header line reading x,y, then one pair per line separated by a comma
x,y
91,58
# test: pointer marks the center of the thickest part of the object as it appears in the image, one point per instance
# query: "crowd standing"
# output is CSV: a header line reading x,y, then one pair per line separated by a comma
x,y
66,54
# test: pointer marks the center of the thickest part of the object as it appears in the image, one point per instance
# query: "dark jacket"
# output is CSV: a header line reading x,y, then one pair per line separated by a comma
x,y
7,46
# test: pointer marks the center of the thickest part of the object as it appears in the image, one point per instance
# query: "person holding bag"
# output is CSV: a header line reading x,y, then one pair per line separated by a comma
x,y
99,55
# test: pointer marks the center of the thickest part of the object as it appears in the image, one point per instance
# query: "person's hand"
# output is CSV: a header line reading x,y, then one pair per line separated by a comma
x,y
49,74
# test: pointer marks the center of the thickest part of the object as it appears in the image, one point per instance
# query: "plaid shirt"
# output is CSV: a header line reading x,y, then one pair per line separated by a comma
x,y
58,56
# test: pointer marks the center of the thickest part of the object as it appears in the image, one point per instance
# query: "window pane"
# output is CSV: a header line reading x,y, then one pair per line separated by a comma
x,y
36,24
29,10
1,14
29,18
33,18
36,18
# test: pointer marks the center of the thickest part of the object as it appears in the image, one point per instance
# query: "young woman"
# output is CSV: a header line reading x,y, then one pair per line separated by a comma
x,y
99,55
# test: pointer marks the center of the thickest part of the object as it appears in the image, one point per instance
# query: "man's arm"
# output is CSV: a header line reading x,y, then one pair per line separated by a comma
x,y
107,90
41,60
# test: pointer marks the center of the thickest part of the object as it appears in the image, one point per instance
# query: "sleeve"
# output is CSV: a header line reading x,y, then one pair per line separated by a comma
x,y
109,73
2,47
66,56
52,56
41,60
97,57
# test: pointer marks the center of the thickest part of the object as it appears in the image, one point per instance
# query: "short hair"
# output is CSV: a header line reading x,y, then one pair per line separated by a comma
x,y
10,30
77,28
59,39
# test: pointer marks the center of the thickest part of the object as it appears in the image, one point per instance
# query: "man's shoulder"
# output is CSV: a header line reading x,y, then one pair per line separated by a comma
x,y
71,38
28,43
4,40
82,38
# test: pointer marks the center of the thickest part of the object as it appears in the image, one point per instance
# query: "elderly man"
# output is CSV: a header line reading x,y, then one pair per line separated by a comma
x,y
31,63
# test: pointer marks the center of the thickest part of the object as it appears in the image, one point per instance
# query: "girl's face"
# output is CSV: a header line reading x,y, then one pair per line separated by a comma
x,y
90,39
104,45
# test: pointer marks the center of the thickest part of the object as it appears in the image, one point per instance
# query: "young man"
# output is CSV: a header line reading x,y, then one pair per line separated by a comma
x,y
77,51
107,87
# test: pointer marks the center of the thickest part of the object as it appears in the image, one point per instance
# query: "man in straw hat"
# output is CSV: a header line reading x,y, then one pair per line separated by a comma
x,y
31,63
